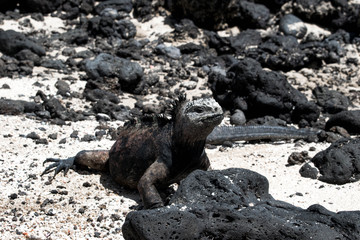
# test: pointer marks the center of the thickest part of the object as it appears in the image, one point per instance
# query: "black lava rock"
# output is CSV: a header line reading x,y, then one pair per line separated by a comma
x,y
235,204
330,100
264,92
144,10
12,42
207,14
63,88
107,26
238,118
292,25
119,5
250,15
115,111
96,94
76,36
308,171
53,64
334,14
245,39
171,51
298,158
129,73
281,52
28,55
350,120
42,6
56,110
338,164
16,107
214,14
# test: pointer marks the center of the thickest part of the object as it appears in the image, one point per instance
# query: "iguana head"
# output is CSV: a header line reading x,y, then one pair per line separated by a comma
x,y
198,118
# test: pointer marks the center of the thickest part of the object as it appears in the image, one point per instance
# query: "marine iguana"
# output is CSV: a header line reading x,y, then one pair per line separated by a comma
x,y
157,151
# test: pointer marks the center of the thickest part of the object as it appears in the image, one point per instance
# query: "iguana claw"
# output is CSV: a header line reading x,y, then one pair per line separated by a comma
x,y
58,165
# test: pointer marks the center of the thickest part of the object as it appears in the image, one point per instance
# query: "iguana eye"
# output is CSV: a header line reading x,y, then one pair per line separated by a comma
x,y
198,109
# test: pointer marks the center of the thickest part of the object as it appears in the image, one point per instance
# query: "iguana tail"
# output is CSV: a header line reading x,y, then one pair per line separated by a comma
x,y
221,134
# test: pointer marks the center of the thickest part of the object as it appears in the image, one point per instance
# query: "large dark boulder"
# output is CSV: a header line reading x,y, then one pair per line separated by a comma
x,y
215,14
350,120
16,107
8,6
330,100
128,73
236,204
261,93
42,6
338,164
12,42
336,14
208,14
107,26
282,52
292,25
118,5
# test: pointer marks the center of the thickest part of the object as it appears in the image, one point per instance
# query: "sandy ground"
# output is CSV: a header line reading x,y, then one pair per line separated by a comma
x,y
86,205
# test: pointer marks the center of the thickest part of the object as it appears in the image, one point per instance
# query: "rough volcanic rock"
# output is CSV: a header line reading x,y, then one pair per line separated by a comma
x,y
273,5
12,42
144,10
215,14
245,39
235,204
7,5
334,13
250,15
262,93
118,5
281,52
208,14
114,111
129,73
186,28
330,100
292,25
28,55
169,51
16,107
63,88
285,53
338,164
42,6
55,110
350,120
76,36
73,8
107,26
97,94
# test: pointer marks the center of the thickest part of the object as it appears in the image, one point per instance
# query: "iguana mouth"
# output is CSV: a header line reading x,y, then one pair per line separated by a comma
x,y
212,118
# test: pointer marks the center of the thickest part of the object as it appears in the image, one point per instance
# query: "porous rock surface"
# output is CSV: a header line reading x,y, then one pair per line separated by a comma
x,y
236,204
261,93
12,42
338,164
350,120
129,73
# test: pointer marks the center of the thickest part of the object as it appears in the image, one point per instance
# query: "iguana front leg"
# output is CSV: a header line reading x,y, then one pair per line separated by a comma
x,y
157,172
94,159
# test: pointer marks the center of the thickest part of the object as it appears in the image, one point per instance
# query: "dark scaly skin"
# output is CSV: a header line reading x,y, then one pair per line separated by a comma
x,y
154,154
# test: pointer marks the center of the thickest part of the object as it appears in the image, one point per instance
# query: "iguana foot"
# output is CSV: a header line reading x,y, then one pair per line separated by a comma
x,y
58,165
155,205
